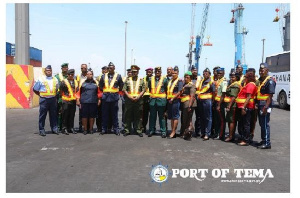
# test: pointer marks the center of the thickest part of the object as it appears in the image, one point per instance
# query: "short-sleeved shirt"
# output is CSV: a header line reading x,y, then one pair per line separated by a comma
x,y
250,88
232,91
268,88
39,85
126,87
188,90
222,87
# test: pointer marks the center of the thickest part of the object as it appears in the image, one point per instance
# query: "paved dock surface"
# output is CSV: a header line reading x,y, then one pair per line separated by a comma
x,y
110,163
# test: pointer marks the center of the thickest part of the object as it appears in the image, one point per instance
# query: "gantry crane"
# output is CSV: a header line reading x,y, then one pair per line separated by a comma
x,y
191,43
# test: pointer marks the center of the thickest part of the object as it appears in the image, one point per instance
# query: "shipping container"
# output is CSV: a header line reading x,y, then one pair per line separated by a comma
x,y
8,48
9,59
35,63
35,54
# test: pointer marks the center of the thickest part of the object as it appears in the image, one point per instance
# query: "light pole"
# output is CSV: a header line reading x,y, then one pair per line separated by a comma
x,y
125,46
205,62
131,55
263,51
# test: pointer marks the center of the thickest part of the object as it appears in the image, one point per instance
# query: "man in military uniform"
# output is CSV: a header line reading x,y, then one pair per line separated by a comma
x,y
196,81
220,123
46,87
214,79
68,88
110,84
122,96
205,96
80,78
265,92
239,70
60,77
169,78
146,98
133,89
99,112
158,100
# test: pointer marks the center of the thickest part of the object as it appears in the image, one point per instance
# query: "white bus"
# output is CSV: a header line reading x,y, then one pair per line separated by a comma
x,y
279,68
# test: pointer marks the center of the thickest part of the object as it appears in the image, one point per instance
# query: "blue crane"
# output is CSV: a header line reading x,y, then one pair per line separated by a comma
x,y
239,36
200,37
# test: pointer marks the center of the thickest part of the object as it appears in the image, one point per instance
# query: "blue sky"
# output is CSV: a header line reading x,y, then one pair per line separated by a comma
x,y
157,33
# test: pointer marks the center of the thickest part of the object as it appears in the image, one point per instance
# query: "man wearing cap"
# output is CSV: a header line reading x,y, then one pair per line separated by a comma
x,y
207,88
60,77
146,98
169,78
46,87
239,70
214,79
122,96
133,89
158,100
110,84
246,104
80,78
196,81
264,101
68,89
219,102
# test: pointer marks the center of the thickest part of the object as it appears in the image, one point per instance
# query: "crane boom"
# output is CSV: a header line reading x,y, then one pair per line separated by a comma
x,y
191,43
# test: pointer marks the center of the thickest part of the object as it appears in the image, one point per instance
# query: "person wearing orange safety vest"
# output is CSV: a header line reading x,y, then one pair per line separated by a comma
x,y
264,101
196,81
133,89
246,104
46,87
173,107
110,84
146,99
68,89
214,79
219,102
158,100
123,97
205,96
232,91
80,78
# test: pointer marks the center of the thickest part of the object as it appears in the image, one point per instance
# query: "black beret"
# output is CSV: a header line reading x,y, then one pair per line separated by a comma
x,y
48,67
71,71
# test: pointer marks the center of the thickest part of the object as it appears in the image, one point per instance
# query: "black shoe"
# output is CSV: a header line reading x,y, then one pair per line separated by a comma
x,y
174,136
80,129
150,134
140,134
259,143
102,133
126,134
72,131
117,133
84,132
163,136
263,146
98,130
216,138
55,132
42,133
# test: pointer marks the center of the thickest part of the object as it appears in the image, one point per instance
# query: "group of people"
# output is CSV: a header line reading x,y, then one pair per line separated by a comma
x,y
215,100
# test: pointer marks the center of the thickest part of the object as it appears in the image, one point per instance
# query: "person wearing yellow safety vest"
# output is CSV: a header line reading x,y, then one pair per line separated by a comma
x,y
239,69
80,79
174,86
133,89
264,101
46,87
188,104
214,79
123,96
68,88
146,99
246,104
110,84
196,81
232,91
168,77
60,77
205,96
219,102
158,100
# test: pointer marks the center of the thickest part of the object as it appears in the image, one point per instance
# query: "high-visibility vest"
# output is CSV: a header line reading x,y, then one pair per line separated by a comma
x,y
170,89
48,92
202,94
80,80
108,88
147,93
261,96
155,91
185,98
71,95
199,78
241,79
227,98
242,100
61,77
134,91
218,98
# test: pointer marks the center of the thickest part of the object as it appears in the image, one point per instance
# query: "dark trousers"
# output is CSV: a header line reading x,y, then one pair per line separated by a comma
x,y
198,118
146,110
59,115
99,117
160,110
48,104
133,115
265,127
110,110
206,116
219,121
68,114
244,125
123,115
186,120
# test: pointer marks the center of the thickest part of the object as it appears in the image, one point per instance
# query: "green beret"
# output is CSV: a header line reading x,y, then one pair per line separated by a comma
x,y
189,73
65,65
157,68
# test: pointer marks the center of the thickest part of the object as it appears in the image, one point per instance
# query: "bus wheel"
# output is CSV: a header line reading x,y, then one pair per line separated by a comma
x,y
282,100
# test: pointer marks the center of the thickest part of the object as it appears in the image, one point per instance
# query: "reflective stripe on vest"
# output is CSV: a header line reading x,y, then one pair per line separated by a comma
x,y
197,84
71,95
185,98
171,88
147,93
243,100
205,96
226,99
202,94
134,91
108,88
48,92
155,91
61,78
262,96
